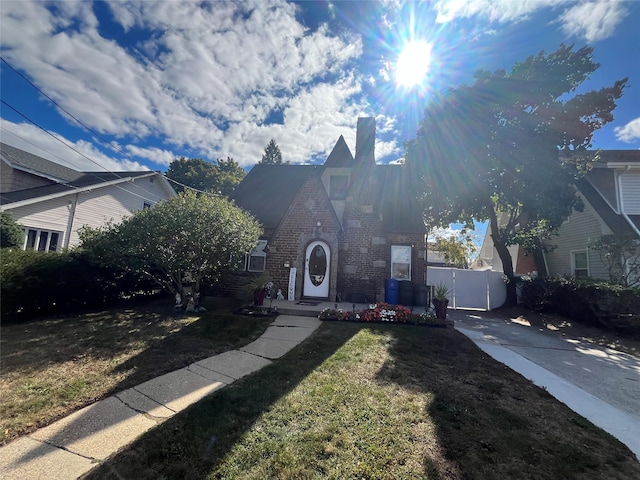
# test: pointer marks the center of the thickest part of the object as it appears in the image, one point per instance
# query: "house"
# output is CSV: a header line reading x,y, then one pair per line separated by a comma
x,y
335,231
611,196
52,201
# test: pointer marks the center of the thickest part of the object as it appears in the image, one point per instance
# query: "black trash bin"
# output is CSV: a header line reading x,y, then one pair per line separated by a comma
x,y
405,293
421,295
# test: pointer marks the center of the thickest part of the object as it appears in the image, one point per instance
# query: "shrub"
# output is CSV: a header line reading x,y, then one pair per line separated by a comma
x,y
586,301
39,283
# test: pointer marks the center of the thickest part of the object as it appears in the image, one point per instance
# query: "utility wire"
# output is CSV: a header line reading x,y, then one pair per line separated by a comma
x,y
72,148
96,134
107,142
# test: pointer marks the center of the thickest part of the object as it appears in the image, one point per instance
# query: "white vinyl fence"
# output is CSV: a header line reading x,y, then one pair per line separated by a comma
x,y
471,289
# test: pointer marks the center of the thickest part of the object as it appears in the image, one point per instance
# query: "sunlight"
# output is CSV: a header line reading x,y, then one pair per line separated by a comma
x,y
413,63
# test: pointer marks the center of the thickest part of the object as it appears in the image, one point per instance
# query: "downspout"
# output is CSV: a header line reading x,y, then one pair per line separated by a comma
x,y
622,212
72,213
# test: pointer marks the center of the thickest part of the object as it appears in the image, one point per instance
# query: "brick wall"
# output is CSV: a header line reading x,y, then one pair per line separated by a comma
x,y
298,228
365,253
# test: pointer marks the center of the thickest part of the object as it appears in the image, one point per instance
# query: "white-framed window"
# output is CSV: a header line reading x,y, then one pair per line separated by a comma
x,y
579,263
257,258
42,240
401,262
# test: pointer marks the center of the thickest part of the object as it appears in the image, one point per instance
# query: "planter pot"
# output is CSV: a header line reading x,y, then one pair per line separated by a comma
x,y
441,307
258,296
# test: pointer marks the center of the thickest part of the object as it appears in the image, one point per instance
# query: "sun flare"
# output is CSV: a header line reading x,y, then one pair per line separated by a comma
x,y
413,63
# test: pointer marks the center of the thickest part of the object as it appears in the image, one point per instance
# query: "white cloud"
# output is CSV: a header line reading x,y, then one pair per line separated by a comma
x,y
38,142
592,20
494,10
204,79
630,132
156,155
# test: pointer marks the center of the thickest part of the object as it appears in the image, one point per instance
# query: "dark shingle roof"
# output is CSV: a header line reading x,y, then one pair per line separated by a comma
x,y
84,180
25,160
340,156
268,190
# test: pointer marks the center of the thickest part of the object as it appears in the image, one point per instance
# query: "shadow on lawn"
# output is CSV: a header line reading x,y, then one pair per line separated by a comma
x,y
492,422
192,443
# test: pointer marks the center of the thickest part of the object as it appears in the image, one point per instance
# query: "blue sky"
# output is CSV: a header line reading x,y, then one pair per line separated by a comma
x,y
151,81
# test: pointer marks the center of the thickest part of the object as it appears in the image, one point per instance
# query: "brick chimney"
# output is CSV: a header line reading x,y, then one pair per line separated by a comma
x,y
365,140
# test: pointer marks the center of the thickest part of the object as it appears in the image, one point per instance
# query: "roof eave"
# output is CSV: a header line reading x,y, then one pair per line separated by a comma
x,y
73,190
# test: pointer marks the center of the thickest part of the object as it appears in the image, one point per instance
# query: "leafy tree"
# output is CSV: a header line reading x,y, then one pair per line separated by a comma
x,y
230,174
621,255
187,233
220,177
272,154
508,148
11,234
457,249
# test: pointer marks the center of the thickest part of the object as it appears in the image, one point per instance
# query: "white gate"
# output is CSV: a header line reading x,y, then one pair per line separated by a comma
x,y
471,289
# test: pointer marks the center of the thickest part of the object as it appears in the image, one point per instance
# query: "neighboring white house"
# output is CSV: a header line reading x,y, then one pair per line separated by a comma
x,y
611,196
52,201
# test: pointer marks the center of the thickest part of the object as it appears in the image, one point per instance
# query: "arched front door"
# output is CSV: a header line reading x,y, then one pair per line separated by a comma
x,y
316,270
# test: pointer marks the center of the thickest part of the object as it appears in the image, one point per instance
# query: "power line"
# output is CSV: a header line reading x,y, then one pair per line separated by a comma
x,y
72,148
96,134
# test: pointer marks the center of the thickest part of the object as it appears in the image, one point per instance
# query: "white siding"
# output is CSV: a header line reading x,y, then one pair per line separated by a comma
x,y
630,193
52,215
576,234
94,208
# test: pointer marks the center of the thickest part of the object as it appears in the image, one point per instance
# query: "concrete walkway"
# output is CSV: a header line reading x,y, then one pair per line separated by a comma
x,y
601,384
74,445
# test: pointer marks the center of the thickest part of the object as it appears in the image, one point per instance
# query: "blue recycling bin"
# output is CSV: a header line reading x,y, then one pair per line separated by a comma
x,y
391,291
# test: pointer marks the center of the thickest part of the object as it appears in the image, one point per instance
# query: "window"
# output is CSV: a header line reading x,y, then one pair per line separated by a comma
x,y
401,262
41,240
257,258
580,264
338,186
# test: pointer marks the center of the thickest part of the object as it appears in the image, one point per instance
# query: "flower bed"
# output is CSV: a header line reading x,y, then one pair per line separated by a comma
x,y
382,312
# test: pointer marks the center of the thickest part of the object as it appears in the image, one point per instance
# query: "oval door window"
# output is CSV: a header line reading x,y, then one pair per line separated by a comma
x,y
317,265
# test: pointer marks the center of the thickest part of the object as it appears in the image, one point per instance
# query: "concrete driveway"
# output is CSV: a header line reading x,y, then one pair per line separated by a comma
x,y
599,383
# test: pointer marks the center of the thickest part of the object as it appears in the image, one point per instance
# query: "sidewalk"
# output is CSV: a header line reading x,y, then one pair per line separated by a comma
x,y
74,445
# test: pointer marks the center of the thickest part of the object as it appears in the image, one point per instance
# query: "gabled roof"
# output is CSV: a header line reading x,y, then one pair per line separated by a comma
x,y
30,163
85,181
268,190
616,223
340,156
67,181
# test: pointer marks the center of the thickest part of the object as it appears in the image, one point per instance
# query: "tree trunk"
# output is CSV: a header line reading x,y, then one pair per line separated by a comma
x,y
505,258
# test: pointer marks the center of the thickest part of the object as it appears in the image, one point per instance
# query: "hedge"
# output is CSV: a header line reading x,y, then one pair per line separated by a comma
x,y
590,302
40,283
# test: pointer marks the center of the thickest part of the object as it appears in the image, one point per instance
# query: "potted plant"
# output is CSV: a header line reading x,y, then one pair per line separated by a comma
x,y
440,300
257,286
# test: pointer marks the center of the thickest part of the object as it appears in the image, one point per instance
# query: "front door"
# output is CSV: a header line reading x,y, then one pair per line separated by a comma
x,y
316,270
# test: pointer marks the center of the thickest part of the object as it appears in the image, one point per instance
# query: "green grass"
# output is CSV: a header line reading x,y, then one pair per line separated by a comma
x,y
52,367
374,402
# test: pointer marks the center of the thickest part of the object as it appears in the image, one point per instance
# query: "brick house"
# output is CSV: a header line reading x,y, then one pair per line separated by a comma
x,y
344,226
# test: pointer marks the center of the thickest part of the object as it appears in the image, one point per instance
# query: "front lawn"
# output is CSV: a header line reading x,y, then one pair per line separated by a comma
x,y
374,402
52,367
